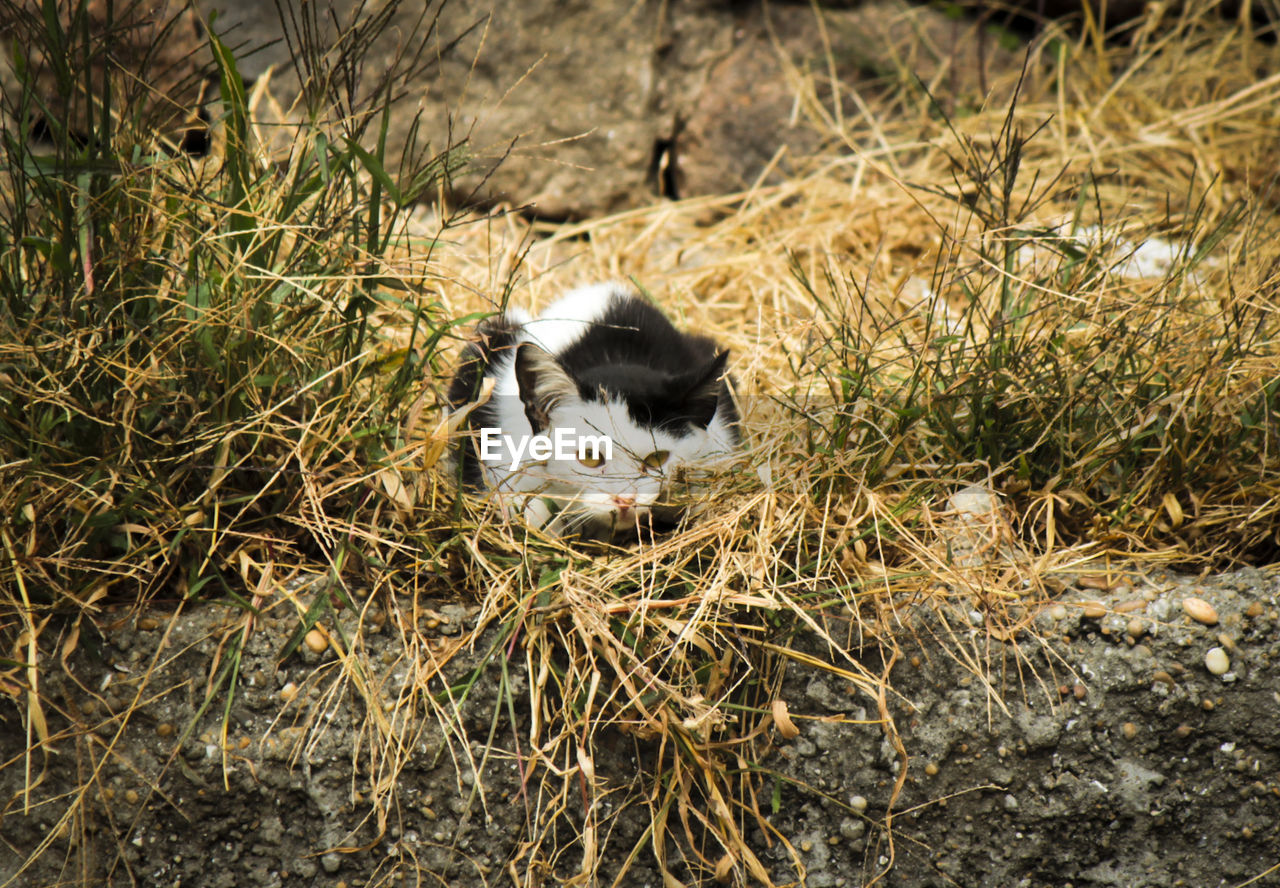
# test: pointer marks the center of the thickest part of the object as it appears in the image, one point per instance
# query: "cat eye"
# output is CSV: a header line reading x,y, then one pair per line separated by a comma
x,y
591,461
656,459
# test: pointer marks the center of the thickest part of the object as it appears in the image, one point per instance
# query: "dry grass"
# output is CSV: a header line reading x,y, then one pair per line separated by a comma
x,y
935,303
1068,299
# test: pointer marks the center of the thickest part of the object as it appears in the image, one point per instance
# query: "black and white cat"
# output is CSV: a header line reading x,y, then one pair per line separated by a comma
x,y
596,406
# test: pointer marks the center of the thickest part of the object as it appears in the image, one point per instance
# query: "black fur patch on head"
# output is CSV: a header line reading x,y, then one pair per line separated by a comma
x,y
669,380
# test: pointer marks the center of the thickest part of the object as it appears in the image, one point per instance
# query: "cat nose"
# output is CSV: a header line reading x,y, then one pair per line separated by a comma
x,y
624,503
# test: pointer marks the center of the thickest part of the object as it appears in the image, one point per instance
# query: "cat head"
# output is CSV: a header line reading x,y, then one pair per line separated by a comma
x,y
627,431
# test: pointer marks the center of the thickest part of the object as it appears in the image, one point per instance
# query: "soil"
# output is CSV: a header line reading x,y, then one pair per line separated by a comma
x,y
1103,752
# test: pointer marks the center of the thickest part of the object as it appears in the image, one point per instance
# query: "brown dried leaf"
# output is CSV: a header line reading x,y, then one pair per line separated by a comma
x,y
397,492
782,718
724,869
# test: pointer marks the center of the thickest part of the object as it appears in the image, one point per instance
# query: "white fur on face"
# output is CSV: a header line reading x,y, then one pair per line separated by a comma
x,y
617,495
616,498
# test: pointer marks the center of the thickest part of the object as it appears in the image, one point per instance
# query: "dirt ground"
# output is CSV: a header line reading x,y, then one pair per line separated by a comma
x,y
1107,754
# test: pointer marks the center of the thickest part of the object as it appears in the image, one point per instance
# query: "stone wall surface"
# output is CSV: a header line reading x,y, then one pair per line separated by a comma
x,y
593,107
1107,748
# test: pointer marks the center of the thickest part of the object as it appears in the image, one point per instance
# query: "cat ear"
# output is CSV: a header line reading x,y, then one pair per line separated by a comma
x,y
542,383
702,389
